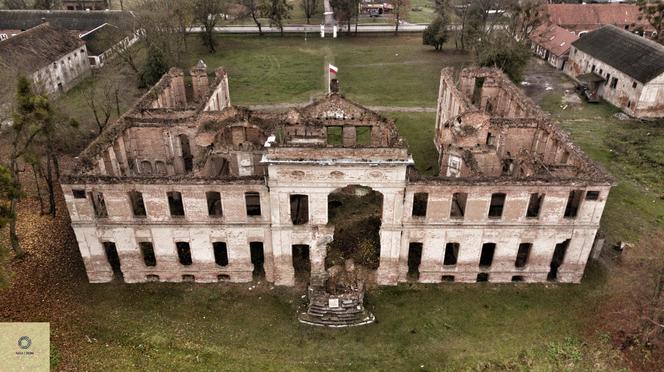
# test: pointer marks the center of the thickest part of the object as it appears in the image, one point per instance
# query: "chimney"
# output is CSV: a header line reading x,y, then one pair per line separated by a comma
x,y
199,80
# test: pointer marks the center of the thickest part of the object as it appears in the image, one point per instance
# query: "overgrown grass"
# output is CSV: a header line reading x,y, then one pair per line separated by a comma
x,y
442,327
418,130
633,152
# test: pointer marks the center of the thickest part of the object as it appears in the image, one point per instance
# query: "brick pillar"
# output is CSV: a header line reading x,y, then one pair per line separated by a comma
x,y
199,80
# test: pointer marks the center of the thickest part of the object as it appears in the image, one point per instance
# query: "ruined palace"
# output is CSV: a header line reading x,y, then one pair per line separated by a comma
x,y
187,187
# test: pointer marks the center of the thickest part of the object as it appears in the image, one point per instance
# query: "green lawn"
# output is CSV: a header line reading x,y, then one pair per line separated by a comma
x,y
372,70
435,327
421,11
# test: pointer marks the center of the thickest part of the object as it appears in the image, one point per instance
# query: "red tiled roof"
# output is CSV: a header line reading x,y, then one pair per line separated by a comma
x,y
553,38
580,17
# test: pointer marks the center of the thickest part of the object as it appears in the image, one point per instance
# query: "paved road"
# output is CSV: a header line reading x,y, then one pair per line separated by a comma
x,y
311,28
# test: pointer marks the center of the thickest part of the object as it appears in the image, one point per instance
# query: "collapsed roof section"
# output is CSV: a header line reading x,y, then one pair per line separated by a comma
x,y
487,130
186,126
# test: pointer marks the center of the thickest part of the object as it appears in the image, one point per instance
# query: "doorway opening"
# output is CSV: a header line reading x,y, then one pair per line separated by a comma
x,y
414,261
557,260
257,259
113,259
355,212
301,263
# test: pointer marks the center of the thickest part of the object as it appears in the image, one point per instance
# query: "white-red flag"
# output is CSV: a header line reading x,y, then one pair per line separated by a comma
x,y
333,69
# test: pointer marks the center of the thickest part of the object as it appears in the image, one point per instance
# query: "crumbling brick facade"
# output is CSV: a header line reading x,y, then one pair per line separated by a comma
x,y
186,187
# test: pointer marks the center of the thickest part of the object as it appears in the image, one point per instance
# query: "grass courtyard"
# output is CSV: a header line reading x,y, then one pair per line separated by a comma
x,y
420,327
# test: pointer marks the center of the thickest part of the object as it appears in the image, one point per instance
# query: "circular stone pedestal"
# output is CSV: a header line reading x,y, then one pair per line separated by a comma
x,y
335,310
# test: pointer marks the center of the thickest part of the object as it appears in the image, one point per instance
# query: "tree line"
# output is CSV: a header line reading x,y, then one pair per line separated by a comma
x,y
494,32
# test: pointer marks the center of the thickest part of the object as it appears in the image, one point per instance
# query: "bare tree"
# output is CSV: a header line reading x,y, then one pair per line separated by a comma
x,y
400,9
208,13
102,99
165,25
277,11
653,12
310,8
253,10
525,16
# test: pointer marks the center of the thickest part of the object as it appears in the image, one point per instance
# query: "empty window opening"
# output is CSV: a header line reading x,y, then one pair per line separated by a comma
x,y
299,209
517,278
334,135
78,193
614,83
253,202
490,139
160,168
257,259
220,253
214,204
363,136
557,260
497,205
573,203
113,259
175,204
146,168
482,277
151,278
508,166
187,158
414,260
564,158
188,278
477,91
301,262
534,205
184,253
98,204
458,208
451,254
447,278
223,277
523,254
486,257
634,85
420,200
147,251
592,195
137,204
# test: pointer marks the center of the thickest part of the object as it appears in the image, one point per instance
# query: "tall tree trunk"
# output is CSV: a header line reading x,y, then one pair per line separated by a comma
x,y
49,185
13,236
39,195
396,24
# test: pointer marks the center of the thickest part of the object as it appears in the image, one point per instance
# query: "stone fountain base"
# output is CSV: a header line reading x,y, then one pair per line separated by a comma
x,y
335,310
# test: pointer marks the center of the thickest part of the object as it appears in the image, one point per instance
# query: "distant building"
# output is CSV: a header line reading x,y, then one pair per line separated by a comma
x,y
54,58
552,43
624,69
582,18
103,41
80,21
85,4
102,31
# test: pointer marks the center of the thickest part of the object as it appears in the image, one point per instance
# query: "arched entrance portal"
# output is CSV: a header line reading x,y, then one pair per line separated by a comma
x,y
355,212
